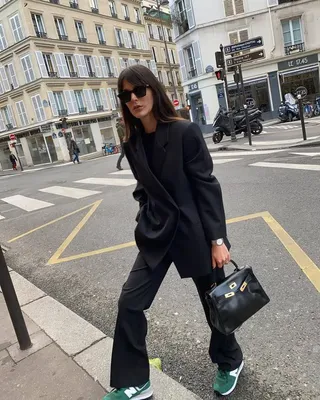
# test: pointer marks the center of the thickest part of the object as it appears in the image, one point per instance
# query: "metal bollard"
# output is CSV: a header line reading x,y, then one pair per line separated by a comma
x,y
14,309
303,125
248,124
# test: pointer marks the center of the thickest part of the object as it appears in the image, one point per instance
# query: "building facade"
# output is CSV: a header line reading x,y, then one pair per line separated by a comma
x,y
59,64
290,43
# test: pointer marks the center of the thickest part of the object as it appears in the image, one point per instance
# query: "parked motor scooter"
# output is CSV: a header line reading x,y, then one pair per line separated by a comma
x,y
288,110
316,110
221,123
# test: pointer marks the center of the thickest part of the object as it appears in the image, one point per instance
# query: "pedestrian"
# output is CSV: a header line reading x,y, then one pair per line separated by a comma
x,y
121,133
181,220
13,160
75,151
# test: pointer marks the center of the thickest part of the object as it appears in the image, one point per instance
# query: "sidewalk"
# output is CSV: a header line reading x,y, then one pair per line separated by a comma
x,y
69,359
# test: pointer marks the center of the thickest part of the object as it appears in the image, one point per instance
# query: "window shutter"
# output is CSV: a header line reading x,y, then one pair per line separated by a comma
x,y
122,64
144,62
165,79
3,40
53,104
112,100
13,76
59,65
104,99
4,79
166,36
71,102
63,61
16,28
233,37
190,14
22,113
1,88
131,62
117,39
174,11
2,124
11,116
182,65
197,57
138,41
126,40
97,67
115,67
154,68
28,69
239,6
85,72
41,64
244,35
155,31
104,67
228,7
146,41
89,100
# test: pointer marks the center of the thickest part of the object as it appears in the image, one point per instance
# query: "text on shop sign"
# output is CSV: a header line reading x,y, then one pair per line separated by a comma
x,y
298,62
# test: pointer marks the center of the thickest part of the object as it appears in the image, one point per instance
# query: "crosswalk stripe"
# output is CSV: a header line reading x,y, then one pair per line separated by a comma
x,y
74,193
26,203
1,217
108,181
123,172
225,160
306,154
244,153
307,167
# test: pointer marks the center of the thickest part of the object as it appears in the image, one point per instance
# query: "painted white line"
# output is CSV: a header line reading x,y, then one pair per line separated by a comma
x,y
225,160
26,203
74,193
1,217
123,172
62,165
276,142
307,154
306,167
108,181
237,153
33,170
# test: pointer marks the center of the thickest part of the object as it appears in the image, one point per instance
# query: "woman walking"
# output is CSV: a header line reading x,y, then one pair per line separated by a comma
x,y
181,220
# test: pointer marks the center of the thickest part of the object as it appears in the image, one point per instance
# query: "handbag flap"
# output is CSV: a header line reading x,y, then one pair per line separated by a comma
x,y
233,282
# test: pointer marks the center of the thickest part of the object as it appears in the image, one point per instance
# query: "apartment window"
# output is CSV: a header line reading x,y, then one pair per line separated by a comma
x,y
165,58
10,80
59,99
149,64
160,33
109,66
292,35
74,4
49,65
160,76
119,38
137,15
115,97
88,61
97,99
183,19
173,59
233,7
238,36
27,68
125,11
94,6
154,53
113,10
16,28
80,102
3,40
100,34
150,30
190,62
38,24
169,78
8,117
80,31
38,108
132,40
125,63
21,111
71,66
178,78
61,28
169,35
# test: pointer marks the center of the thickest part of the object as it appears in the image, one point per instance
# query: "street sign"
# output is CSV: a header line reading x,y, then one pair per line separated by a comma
x,y
176,102
242,46
12,136
209,69
244,58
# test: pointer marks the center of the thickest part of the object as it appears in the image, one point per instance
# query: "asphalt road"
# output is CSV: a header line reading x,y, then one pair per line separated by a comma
x,y
281,343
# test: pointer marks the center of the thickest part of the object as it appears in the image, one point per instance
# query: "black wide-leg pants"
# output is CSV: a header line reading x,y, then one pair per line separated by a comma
x,y
130,363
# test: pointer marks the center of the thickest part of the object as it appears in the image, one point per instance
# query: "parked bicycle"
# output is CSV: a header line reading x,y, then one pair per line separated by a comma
x,y
109,148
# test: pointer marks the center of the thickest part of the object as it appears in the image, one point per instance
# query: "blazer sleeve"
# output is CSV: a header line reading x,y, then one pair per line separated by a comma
x,y
205,187
140,196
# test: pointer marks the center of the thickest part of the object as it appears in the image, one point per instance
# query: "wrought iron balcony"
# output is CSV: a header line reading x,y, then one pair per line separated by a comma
x,y
83,110
121,44
9,126
133,46
95,10
92,74
294,48
100,108
41,34
83,40
170,38
139,21
62,113
63,37
73,4
102,41
114,15
53,74
151,36
127,18
192,73
54,1
74,74
110,74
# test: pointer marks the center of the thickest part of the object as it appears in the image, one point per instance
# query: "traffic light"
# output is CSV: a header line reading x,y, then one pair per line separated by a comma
x,y
220,74
219,59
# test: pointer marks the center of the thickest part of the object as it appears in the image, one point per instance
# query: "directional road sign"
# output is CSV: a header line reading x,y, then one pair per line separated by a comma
x,y
246,45
244,58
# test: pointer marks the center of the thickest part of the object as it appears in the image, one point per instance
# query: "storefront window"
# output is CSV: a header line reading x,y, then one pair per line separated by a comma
x,y
38,150
84,139
256,95
307,82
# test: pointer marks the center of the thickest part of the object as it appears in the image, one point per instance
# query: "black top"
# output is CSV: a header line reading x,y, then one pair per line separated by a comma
x,y
148,144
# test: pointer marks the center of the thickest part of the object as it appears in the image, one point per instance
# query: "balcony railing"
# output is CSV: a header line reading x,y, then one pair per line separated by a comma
x,y
53,74
41,34
170,38
121,44
127,18
192,73
74,4
82,110
9,126
62,113
133,46
151,35
54,1
102,41
294,48
74,74
95,10
161,37
63,37
114,15
83,40
139,21
100,108
92,74
110,74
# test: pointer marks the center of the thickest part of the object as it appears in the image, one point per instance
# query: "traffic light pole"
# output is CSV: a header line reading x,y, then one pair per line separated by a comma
x,y
231,120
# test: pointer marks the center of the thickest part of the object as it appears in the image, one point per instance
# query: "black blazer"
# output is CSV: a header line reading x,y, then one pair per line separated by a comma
x,y
181,207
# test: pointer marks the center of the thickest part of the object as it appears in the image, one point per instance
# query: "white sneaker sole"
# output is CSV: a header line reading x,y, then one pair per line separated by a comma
x,y
145,395
235,382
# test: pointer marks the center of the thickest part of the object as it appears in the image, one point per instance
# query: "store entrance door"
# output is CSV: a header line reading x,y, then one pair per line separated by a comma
x,y
198,110
51,148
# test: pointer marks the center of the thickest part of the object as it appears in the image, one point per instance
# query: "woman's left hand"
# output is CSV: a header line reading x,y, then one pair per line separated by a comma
x,y
220,256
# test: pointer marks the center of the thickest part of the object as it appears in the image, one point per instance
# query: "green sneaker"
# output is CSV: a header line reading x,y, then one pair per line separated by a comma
x,y
137,393
226,381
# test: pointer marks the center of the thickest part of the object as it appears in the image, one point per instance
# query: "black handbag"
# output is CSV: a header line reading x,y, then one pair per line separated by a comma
x,y
235,299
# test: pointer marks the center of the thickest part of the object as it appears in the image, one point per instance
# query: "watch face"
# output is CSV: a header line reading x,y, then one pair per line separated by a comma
x,y
220,242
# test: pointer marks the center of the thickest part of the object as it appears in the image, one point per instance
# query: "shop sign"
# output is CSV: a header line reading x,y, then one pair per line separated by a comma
x,y
45,128
303,91
220,95
60,134
193,86
298,62
250,102
54,136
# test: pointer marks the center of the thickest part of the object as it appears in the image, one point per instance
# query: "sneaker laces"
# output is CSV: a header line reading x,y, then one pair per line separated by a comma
x,y
222,375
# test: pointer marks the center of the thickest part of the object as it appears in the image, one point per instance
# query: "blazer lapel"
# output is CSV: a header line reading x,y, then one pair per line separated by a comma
x,y
160,144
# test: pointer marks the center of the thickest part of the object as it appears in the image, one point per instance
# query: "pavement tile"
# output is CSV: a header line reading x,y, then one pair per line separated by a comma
x,y
5,359
71,332
39,341
7,333
25,290
48,374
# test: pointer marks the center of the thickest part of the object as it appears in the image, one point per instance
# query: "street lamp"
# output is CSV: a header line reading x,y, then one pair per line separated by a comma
x,y
159,4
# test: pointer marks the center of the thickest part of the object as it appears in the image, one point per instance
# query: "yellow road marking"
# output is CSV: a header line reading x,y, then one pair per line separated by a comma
x,y
245,218
301,258
51,222
74,233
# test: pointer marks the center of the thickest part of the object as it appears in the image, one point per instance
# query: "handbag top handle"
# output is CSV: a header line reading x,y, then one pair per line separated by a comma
x,y
235,264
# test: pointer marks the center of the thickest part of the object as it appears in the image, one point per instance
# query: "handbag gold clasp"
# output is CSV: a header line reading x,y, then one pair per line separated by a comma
x,y
227,295
233,285
243,286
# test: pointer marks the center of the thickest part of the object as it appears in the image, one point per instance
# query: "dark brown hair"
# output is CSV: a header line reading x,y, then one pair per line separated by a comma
x,y
163,109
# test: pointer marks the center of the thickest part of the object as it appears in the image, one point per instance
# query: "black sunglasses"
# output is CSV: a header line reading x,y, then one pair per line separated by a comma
x,y
138,91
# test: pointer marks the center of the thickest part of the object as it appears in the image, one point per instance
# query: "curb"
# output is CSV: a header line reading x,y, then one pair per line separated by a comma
x,y
86,345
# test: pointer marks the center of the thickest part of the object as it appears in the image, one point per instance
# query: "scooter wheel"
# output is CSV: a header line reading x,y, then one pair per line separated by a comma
x,y
256,128
217,137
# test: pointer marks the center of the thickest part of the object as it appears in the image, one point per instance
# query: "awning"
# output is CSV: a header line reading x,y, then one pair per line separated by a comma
x,y
249,82
301,70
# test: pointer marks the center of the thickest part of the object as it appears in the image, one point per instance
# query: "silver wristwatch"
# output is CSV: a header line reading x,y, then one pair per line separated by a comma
x,y
218,242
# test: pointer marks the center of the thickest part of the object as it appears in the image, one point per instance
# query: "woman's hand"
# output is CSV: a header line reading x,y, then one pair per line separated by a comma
x,y
220,256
